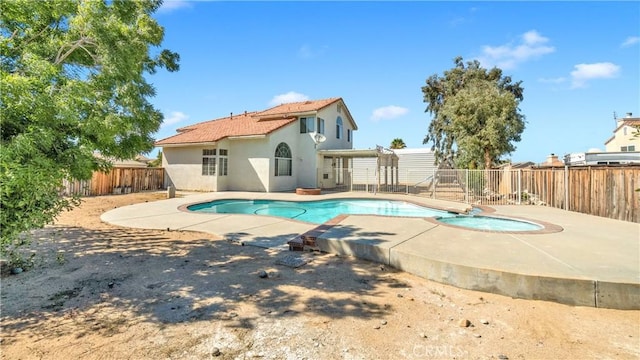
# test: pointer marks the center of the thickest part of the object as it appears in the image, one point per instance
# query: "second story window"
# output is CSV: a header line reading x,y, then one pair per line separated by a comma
x,y
339,128
307,124
320,126
349,135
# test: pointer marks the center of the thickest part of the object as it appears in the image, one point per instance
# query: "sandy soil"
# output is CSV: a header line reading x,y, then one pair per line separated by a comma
x,y
103,292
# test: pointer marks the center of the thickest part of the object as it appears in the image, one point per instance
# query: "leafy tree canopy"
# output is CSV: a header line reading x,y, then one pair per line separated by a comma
x,y
72,80
398,143
475,112
158,160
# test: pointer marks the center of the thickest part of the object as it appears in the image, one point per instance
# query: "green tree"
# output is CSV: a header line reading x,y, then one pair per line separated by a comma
x,y
456,132
72,80
398,143
484,121
158,161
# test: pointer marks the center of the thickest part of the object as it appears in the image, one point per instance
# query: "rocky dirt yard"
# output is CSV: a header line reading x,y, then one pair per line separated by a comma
x,y
97,291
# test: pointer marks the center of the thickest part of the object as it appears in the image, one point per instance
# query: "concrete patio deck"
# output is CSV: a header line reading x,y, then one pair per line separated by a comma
x,y
592,261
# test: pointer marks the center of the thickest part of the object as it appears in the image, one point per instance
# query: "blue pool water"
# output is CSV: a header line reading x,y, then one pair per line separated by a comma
x,y
317,212
491,223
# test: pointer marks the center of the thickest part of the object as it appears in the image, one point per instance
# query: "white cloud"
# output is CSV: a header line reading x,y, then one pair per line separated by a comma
x,y
585,72
388,112
174,118
172,5
630,41
307,52
289,97
532,45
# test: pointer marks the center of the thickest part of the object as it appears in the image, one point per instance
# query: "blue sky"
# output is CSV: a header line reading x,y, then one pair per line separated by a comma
x,y
578,62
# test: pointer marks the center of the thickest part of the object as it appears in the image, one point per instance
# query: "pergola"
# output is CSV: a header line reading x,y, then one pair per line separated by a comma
x,y
386,161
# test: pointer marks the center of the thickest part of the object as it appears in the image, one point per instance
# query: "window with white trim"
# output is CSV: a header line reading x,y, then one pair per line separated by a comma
x,y
349,135
628,148
320,125
339,128
283,160
223,162
307,124
208,162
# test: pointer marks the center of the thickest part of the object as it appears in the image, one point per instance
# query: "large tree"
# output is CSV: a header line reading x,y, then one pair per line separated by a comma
x,y
72,82
484,122
475,113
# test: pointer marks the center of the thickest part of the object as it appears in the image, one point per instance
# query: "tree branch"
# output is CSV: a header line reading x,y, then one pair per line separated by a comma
x,y
60,57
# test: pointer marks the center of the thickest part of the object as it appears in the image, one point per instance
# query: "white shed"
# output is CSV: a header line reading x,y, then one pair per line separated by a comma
x,y
415,165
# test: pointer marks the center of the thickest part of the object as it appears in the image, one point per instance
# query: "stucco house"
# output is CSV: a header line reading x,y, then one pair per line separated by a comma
x,y
277,149
622,139
621,148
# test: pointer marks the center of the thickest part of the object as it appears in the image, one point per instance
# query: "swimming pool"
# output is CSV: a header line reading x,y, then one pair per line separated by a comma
x,y
490,223
317,212
321,211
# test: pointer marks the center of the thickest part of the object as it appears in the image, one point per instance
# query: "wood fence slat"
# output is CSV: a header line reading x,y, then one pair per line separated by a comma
x,y
117,181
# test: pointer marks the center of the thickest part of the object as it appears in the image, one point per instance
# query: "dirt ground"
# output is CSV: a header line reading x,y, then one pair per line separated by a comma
x,y
98,291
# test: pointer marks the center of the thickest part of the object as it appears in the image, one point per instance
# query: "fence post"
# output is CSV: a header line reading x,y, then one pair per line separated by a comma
x,y
433,184
350,172
519,187
366,181
566,187
466,186
406,181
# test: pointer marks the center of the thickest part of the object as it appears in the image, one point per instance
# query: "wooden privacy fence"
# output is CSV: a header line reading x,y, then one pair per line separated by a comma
x,y
605,191
117,181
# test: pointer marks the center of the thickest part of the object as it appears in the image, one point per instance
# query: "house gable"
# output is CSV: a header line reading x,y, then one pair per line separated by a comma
x,y
623,135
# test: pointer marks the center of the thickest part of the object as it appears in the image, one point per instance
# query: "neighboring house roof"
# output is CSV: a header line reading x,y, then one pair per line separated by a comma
x,y
144,159
122,163
129,163
634,122
247,124
517,165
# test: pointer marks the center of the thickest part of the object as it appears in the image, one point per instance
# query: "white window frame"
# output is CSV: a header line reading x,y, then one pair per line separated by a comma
x,y
320,126
339,126
307,124
283,160
208,162
223,162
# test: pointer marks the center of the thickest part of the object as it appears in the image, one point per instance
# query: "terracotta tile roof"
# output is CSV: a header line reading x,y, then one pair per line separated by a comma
x,y
632,122
245,124
297,107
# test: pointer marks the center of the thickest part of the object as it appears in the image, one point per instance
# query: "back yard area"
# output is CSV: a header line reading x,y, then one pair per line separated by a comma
x,y
98,291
